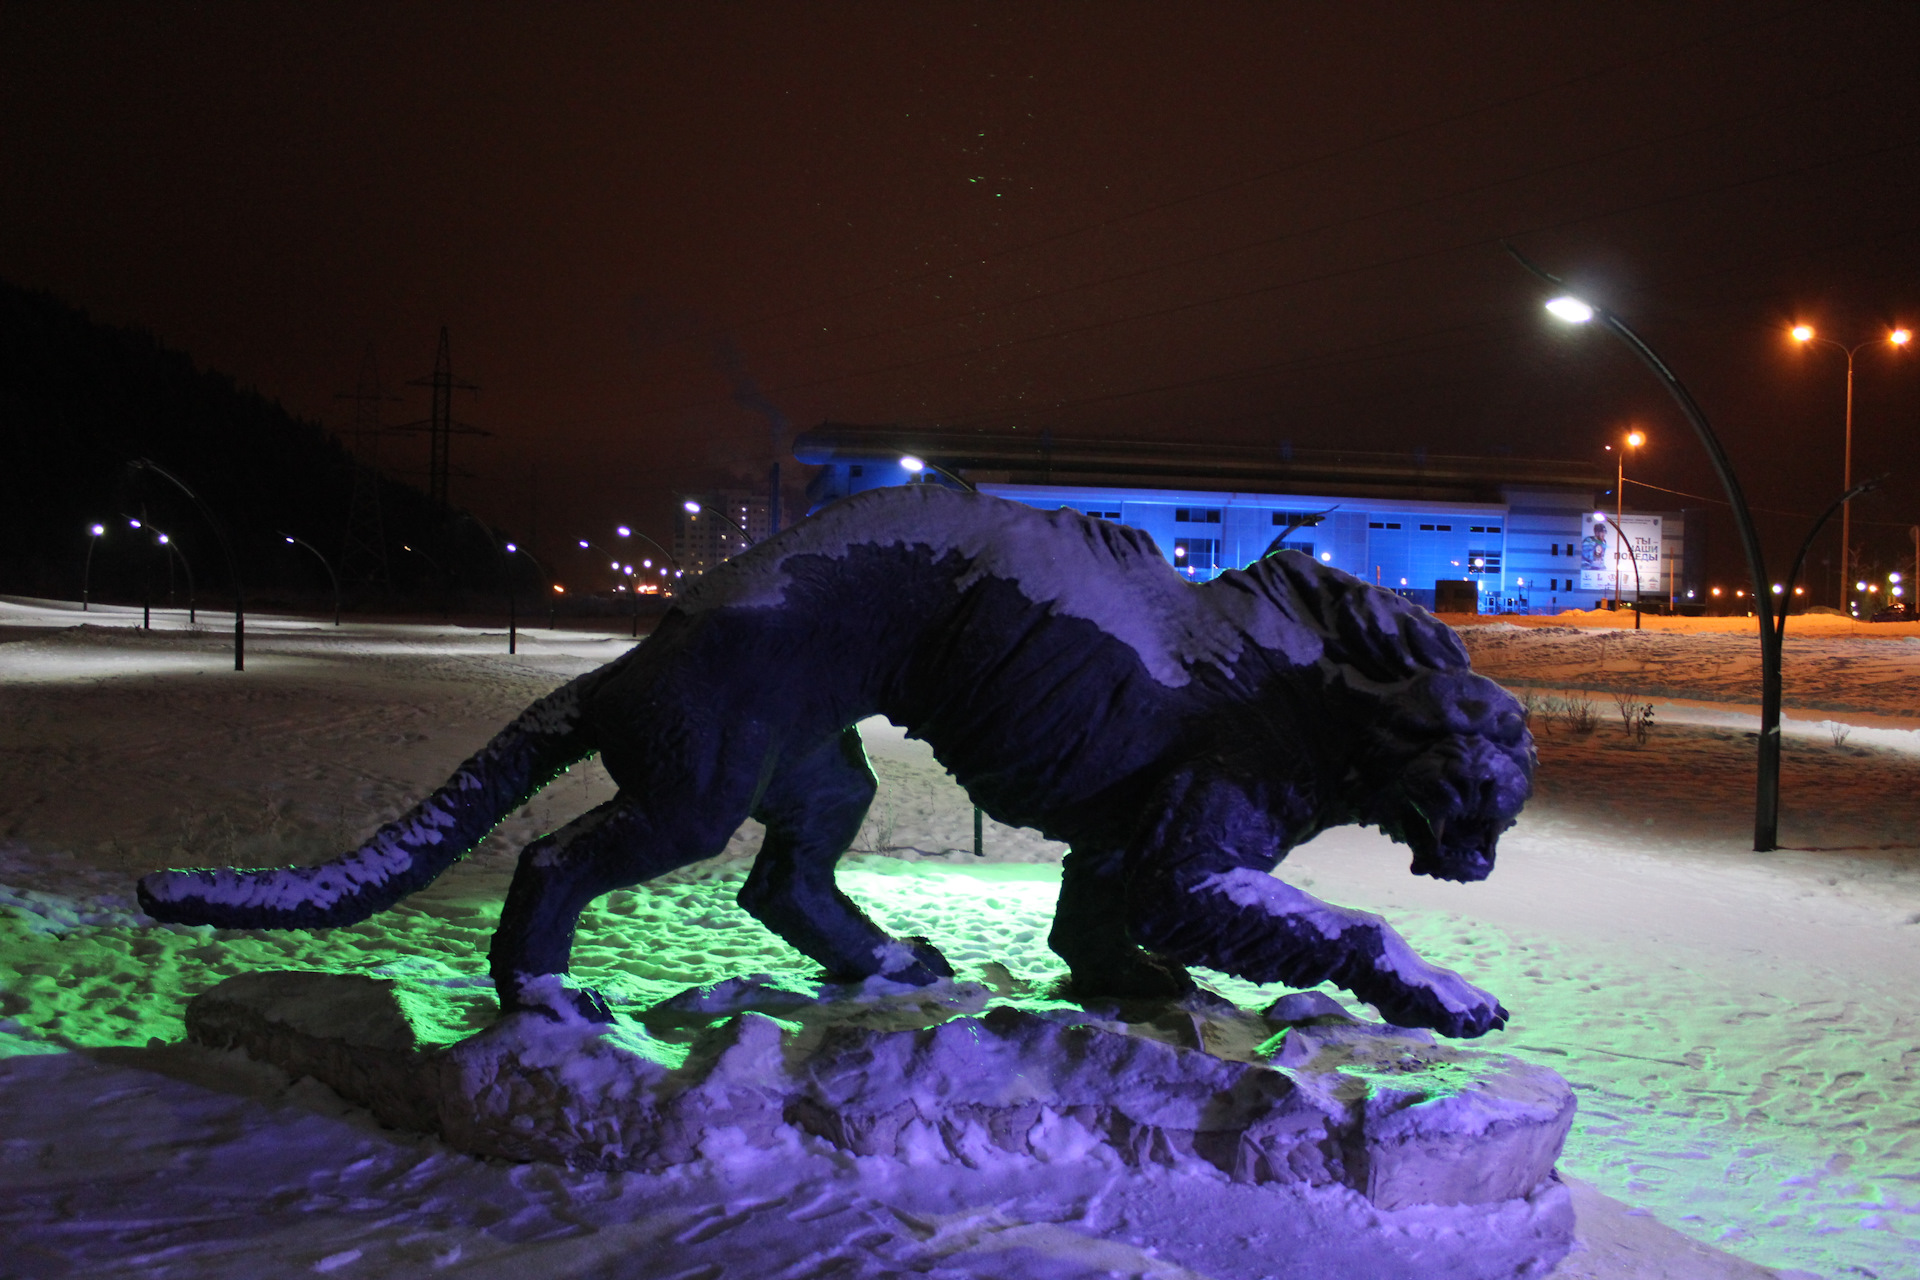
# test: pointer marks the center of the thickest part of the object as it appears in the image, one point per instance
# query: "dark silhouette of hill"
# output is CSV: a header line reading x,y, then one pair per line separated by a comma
x,y
80,401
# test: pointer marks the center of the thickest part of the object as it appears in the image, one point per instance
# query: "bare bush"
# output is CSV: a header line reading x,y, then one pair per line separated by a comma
x,y
1579,712
1838,732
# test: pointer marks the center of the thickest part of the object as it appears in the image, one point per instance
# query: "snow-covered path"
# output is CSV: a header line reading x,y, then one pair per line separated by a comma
x,y
1741,1027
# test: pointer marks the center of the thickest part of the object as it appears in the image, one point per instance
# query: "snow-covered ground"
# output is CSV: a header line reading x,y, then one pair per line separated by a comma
x,y
1740,1027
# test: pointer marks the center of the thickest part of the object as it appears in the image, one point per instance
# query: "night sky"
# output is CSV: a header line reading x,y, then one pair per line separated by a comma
x,y
664,238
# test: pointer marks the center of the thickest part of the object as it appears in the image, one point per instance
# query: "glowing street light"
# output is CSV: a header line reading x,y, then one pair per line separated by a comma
x,y
1574,310
96,532
693,508
301,542
627,531
1571,309
920,466
1897,338
1635,439
233,567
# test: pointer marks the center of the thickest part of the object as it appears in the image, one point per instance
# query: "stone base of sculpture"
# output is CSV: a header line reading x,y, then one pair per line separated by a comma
x,y
1304,1094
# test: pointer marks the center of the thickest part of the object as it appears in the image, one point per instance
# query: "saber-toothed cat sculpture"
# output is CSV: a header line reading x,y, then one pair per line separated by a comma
x,y
1179,737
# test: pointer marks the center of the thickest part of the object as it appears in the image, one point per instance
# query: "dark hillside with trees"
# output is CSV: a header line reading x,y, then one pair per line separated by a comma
x,y
81,401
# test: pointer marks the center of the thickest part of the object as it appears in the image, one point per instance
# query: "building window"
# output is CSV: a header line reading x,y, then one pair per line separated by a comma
x,y
1306,548
1196,515
1444,528
1299,519
1195,555
1483,562
1553,548
1426,528
856,471
1393,524
1375,524
1104,515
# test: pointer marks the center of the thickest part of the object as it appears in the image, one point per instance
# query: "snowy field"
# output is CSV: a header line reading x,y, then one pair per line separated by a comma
x,y
1740,1027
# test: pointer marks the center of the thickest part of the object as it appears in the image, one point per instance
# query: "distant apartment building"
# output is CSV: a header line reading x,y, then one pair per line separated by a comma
x,y
1496,534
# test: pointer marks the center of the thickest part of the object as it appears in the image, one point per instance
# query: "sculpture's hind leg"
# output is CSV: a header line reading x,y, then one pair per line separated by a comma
x,y
1090,934
616,845
812,807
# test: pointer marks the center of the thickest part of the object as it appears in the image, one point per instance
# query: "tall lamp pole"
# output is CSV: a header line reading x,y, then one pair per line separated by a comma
x,y
920,466
331,577
233,567
1634,440
94,534
1766,800
163,540
693,508
1619,541
1803,334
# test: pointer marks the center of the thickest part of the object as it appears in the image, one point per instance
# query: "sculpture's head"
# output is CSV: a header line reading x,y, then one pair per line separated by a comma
x,y
1447,768
1435,756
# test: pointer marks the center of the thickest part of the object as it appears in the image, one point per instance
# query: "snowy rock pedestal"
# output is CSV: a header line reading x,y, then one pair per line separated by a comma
x,y
1304,1095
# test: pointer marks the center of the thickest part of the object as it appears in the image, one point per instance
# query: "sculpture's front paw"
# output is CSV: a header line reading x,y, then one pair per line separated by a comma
x,y
551,996
1445,1002
914,961
1412,993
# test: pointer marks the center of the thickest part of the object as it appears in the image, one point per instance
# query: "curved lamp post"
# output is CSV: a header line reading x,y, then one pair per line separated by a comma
x,y
168,543
627,531
546,579
331,577
446,580
233,568
1766,801
94,533
693,508
1634,440
1619,541
918,466
1803,334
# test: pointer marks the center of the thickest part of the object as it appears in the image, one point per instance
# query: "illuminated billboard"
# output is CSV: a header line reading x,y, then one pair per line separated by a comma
x,y
1601,557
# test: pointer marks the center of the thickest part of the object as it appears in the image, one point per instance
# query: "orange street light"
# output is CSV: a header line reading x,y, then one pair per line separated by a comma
x,y
1896,338
1635,438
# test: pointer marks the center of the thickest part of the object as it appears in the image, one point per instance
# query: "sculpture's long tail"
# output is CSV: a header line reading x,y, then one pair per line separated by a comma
x,y
405,855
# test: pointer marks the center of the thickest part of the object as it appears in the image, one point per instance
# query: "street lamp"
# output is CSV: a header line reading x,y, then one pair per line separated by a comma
x,y
1897,338
94,532
233,567
1634,440
920,466
331,576
1766,819
1619,542
695,510
628,532
173,550
633,602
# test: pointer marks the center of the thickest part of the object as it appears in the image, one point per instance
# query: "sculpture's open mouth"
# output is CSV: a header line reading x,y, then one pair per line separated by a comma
x,y
1448,849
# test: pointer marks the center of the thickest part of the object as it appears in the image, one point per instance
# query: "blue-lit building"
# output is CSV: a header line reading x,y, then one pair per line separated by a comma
x,y
1500,534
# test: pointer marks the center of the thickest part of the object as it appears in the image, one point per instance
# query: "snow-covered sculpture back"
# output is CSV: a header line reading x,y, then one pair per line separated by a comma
x,y
1180,738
